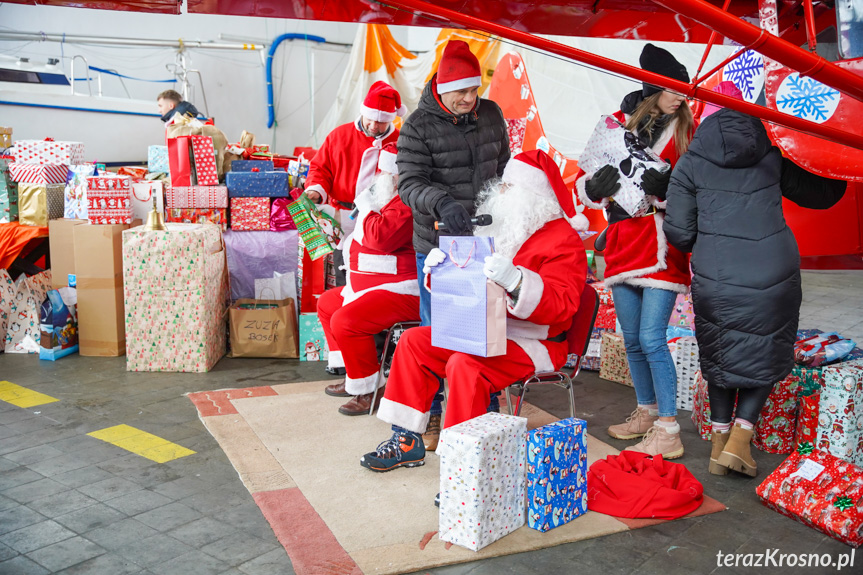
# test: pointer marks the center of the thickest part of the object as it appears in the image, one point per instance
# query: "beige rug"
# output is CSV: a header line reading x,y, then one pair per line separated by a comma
x,y
300,459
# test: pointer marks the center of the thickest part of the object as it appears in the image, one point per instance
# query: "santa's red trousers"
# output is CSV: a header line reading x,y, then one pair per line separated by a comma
x,y
417,365
350,329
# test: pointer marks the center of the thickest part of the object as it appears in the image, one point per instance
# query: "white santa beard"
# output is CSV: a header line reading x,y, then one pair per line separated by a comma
x,y
382,191
516,215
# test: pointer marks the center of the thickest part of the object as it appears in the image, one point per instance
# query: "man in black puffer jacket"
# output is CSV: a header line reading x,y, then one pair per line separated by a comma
x,y
725,206
448,148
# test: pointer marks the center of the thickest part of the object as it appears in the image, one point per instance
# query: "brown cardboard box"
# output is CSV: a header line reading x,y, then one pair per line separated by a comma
x,y
62,243
99,270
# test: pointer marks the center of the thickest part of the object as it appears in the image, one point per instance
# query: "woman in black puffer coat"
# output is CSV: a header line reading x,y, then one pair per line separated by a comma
x,y
725,206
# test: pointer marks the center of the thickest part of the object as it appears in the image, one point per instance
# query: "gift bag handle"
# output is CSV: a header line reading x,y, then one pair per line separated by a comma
x,y
271,290
469,254
149,194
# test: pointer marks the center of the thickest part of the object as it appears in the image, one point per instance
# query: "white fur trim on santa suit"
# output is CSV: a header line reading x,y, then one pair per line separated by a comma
x,y
654,201
319,189
583,197
380,115
635,277
529,294
519,328
335,359
387,162
461,84
362,385
403,416
407,287
377,263
524,175
369,160
537,353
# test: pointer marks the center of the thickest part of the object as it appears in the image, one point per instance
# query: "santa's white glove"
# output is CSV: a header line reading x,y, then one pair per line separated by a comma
x,y
363,202
500,270
433,259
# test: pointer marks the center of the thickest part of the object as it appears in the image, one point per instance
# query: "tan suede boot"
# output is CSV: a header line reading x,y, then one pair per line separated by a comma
x,y
737,454
637,424
432,433
660,440
719,440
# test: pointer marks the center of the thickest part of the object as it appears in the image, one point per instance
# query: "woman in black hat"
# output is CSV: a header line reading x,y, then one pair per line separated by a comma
x,y
644,272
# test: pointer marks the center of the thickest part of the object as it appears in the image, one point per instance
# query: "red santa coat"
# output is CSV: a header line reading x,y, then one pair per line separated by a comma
x,y
554,268
636,249
346,162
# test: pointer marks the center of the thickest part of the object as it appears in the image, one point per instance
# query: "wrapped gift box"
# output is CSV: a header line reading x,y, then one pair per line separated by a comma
x,y
218,216
175,292
603,292
701,408
591,359
249,184
205,161
109,199
5,137
21,305
482,479
250,214
8,192
252,165
75,200
49,152
682,315
197,197
39,203
606,317
774,432
157,159
313,344
38,173
840,418
612,364
684,350
818,490
556,473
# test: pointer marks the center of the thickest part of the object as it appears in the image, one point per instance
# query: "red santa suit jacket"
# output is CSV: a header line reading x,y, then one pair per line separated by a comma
x,y
380,253
554,268
636,249
346,163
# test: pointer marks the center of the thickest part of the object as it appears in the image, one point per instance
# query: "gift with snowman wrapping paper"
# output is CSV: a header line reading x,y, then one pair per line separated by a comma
x,y
556,473
818,490
482,479
109,199
840,417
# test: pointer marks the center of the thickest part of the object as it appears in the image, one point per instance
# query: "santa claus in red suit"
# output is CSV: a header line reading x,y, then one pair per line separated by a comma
x,y
345,164
381,288
541,263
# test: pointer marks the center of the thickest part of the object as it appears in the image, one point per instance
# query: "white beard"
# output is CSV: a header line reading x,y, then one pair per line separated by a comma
x,y
516,215
382,191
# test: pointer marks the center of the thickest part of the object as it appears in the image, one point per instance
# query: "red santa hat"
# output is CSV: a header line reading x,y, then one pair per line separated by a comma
x,y
387,159
537,171
383,103
458,69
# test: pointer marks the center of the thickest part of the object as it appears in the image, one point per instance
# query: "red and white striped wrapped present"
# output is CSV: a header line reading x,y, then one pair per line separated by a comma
x,y
197,197
49,152
109,199
44,174
205,162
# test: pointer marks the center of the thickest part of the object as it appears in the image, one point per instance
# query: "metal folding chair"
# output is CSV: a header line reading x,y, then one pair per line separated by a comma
x,y
393,333
578,338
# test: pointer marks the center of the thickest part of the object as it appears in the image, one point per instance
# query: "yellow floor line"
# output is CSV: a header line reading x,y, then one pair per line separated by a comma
x,y
141,443
23,397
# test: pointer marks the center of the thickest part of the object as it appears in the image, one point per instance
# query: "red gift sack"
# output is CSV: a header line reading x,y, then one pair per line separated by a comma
x,y
637,485
180,161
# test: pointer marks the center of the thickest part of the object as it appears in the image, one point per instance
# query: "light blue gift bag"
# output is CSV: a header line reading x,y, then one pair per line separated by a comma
x,y
468,311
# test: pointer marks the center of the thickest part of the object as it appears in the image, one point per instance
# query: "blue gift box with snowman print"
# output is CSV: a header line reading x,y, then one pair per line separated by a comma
x,y
556,473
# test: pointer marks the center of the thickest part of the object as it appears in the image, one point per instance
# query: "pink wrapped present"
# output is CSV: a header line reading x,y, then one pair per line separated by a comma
x,y
683,315
197,196
250,214
38,173
109,199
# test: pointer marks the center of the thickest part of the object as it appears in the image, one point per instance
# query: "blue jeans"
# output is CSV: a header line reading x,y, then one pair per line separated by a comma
x,y
644,315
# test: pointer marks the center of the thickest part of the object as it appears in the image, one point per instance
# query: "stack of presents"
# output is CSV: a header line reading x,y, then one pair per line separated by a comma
x,y
815,415
223,244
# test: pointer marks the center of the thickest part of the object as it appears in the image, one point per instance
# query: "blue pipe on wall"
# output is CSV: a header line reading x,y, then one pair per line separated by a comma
x,y
271,116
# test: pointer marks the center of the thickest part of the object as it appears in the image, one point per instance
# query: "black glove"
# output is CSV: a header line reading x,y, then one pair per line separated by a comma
x,y
603,184
455,217
655,183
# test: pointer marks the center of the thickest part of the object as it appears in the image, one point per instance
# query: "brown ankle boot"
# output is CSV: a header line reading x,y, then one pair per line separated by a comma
x,y
432,433
737,454
719,440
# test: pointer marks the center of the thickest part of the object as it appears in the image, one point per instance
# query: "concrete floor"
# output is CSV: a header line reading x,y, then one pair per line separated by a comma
x,y
70,503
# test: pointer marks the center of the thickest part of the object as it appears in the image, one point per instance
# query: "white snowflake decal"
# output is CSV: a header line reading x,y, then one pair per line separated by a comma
x,y
747,73
807,98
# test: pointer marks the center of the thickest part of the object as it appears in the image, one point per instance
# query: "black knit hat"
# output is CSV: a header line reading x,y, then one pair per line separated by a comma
x,y
660,61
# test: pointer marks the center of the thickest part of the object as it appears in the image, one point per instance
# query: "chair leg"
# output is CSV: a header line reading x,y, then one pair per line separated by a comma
x,y
508,400
381,371
571,388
